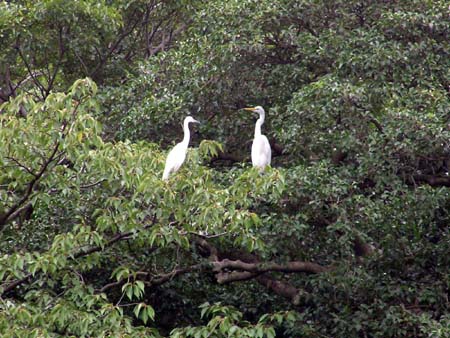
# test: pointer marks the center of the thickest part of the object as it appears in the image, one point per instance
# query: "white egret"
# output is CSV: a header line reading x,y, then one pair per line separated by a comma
x,y
177,155
261,152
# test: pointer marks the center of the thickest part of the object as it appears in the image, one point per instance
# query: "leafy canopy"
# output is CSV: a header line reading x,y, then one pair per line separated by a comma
x,y
345,236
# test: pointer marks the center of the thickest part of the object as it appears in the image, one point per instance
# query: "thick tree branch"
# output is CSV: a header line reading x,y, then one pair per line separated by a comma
x,y
434,181
221,156
261,267
19,211
361,248
228,271
281,288
209,249
235,276
15,283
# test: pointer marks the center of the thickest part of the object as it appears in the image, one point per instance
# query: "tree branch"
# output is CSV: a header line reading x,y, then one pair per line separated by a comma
x,y
162,278
235,276
434,181
37,176
209,249
281,288
253,269
155,280
114,46
221,156
119,236
62,51
4,218
261,267
28,170
81,253
30,71
361,248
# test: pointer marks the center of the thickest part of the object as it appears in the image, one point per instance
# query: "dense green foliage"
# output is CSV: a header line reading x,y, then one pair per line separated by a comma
x,y
346,235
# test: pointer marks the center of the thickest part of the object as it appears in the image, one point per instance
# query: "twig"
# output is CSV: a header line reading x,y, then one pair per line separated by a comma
x,y
35,79
22,166
79,254
87,186
4,218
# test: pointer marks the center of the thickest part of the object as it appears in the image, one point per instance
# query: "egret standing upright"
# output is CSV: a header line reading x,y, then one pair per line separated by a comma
x,y
177,155
261,152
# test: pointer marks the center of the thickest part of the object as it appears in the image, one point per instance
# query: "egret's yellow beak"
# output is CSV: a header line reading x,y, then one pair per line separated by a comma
x,y
249,109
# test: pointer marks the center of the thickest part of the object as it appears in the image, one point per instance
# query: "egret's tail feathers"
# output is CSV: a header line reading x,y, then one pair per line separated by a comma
x,y
166,174
261,167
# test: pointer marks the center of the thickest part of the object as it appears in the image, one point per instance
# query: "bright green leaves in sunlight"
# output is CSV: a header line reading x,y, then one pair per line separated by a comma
x,y
210,149
227,321
92,201
144,312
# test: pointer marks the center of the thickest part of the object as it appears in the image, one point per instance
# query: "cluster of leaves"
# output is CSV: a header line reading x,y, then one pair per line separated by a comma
x,y
55,155
94,243
227,321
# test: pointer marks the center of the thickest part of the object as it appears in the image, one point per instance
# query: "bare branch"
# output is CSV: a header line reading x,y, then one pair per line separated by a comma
x,y
87,186
167,39
227,157
228,271
434,181
28,170
361,248
116,238
210,250
289,267
162,278
281,288
30,71
115,45
235,276
17,213
16,283
62,51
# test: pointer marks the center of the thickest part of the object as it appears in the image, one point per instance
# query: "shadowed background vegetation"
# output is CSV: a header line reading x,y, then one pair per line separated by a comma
x,y
347,235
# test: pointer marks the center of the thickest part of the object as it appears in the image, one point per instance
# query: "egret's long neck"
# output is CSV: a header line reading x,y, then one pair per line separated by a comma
x,y
187,134
258,125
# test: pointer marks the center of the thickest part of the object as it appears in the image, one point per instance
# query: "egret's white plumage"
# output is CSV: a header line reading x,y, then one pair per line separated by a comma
x,y
177,155
261,152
